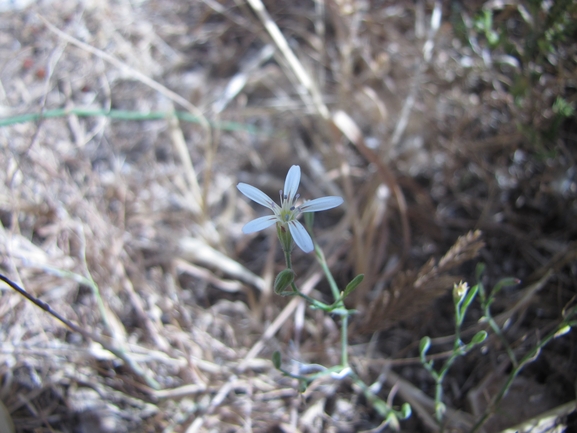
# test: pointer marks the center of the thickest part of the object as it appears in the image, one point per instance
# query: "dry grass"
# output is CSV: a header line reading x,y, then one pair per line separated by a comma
x,y
131,229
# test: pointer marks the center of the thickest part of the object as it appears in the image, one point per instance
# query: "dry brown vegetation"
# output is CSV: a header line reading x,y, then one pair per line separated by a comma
x,y
131,229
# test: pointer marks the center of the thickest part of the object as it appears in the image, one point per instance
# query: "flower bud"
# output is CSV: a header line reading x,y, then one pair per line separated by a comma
x,y
460,290
283,280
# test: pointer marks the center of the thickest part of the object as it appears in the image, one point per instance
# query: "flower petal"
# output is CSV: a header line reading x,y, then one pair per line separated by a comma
x,y
257,195
322,203
291,183
301,237
259,224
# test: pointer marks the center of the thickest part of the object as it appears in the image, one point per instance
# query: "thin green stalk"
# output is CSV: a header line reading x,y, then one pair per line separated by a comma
x,y
501,337
323,262
312,301
526,359
457,343
439,398
124,115
344,341
339,304
378,404
287,259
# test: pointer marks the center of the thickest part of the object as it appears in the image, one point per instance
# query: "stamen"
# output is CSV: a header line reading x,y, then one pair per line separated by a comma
x,y
280,195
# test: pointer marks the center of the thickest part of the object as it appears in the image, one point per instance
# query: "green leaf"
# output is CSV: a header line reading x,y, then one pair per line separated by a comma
x,y
468,299
479,337
353,285
276,359
483,295
393,422
505,282
341,311
424,346
567,313
564,330
381,407
479,271
406,411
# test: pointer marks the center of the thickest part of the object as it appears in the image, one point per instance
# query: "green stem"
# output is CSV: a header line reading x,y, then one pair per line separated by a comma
x,y
287,259
458,322
526,359
501,337
312,301
377,403
318,304
439,398
338,304
123,115
323,262
344,341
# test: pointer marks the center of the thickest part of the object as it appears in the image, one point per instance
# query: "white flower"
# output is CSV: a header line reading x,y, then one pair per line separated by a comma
x,y
287,213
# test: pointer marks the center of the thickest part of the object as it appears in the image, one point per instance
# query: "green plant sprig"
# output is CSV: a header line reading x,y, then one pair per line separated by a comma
x,y
462,299
487,300
285,286
561,329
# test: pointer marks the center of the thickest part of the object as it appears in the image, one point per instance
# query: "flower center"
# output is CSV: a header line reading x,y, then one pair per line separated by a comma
x,y
288,211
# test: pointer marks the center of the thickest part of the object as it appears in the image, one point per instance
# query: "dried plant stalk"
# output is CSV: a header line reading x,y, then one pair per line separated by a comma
x,y
413,291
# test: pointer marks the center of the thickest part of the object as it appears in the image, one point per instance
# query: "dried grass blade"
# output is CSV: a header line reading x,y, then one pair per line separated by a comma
x,y
133,72
349,129
111,347
197,251
180,144
291,58
272,329
412,292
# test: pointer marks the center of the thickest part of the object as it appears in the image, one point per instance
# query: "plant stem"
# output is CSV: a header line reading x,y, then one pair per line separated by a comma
x,y
287,259
125,115
377,403
500,335
344,341
323,262
526,360
339,304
